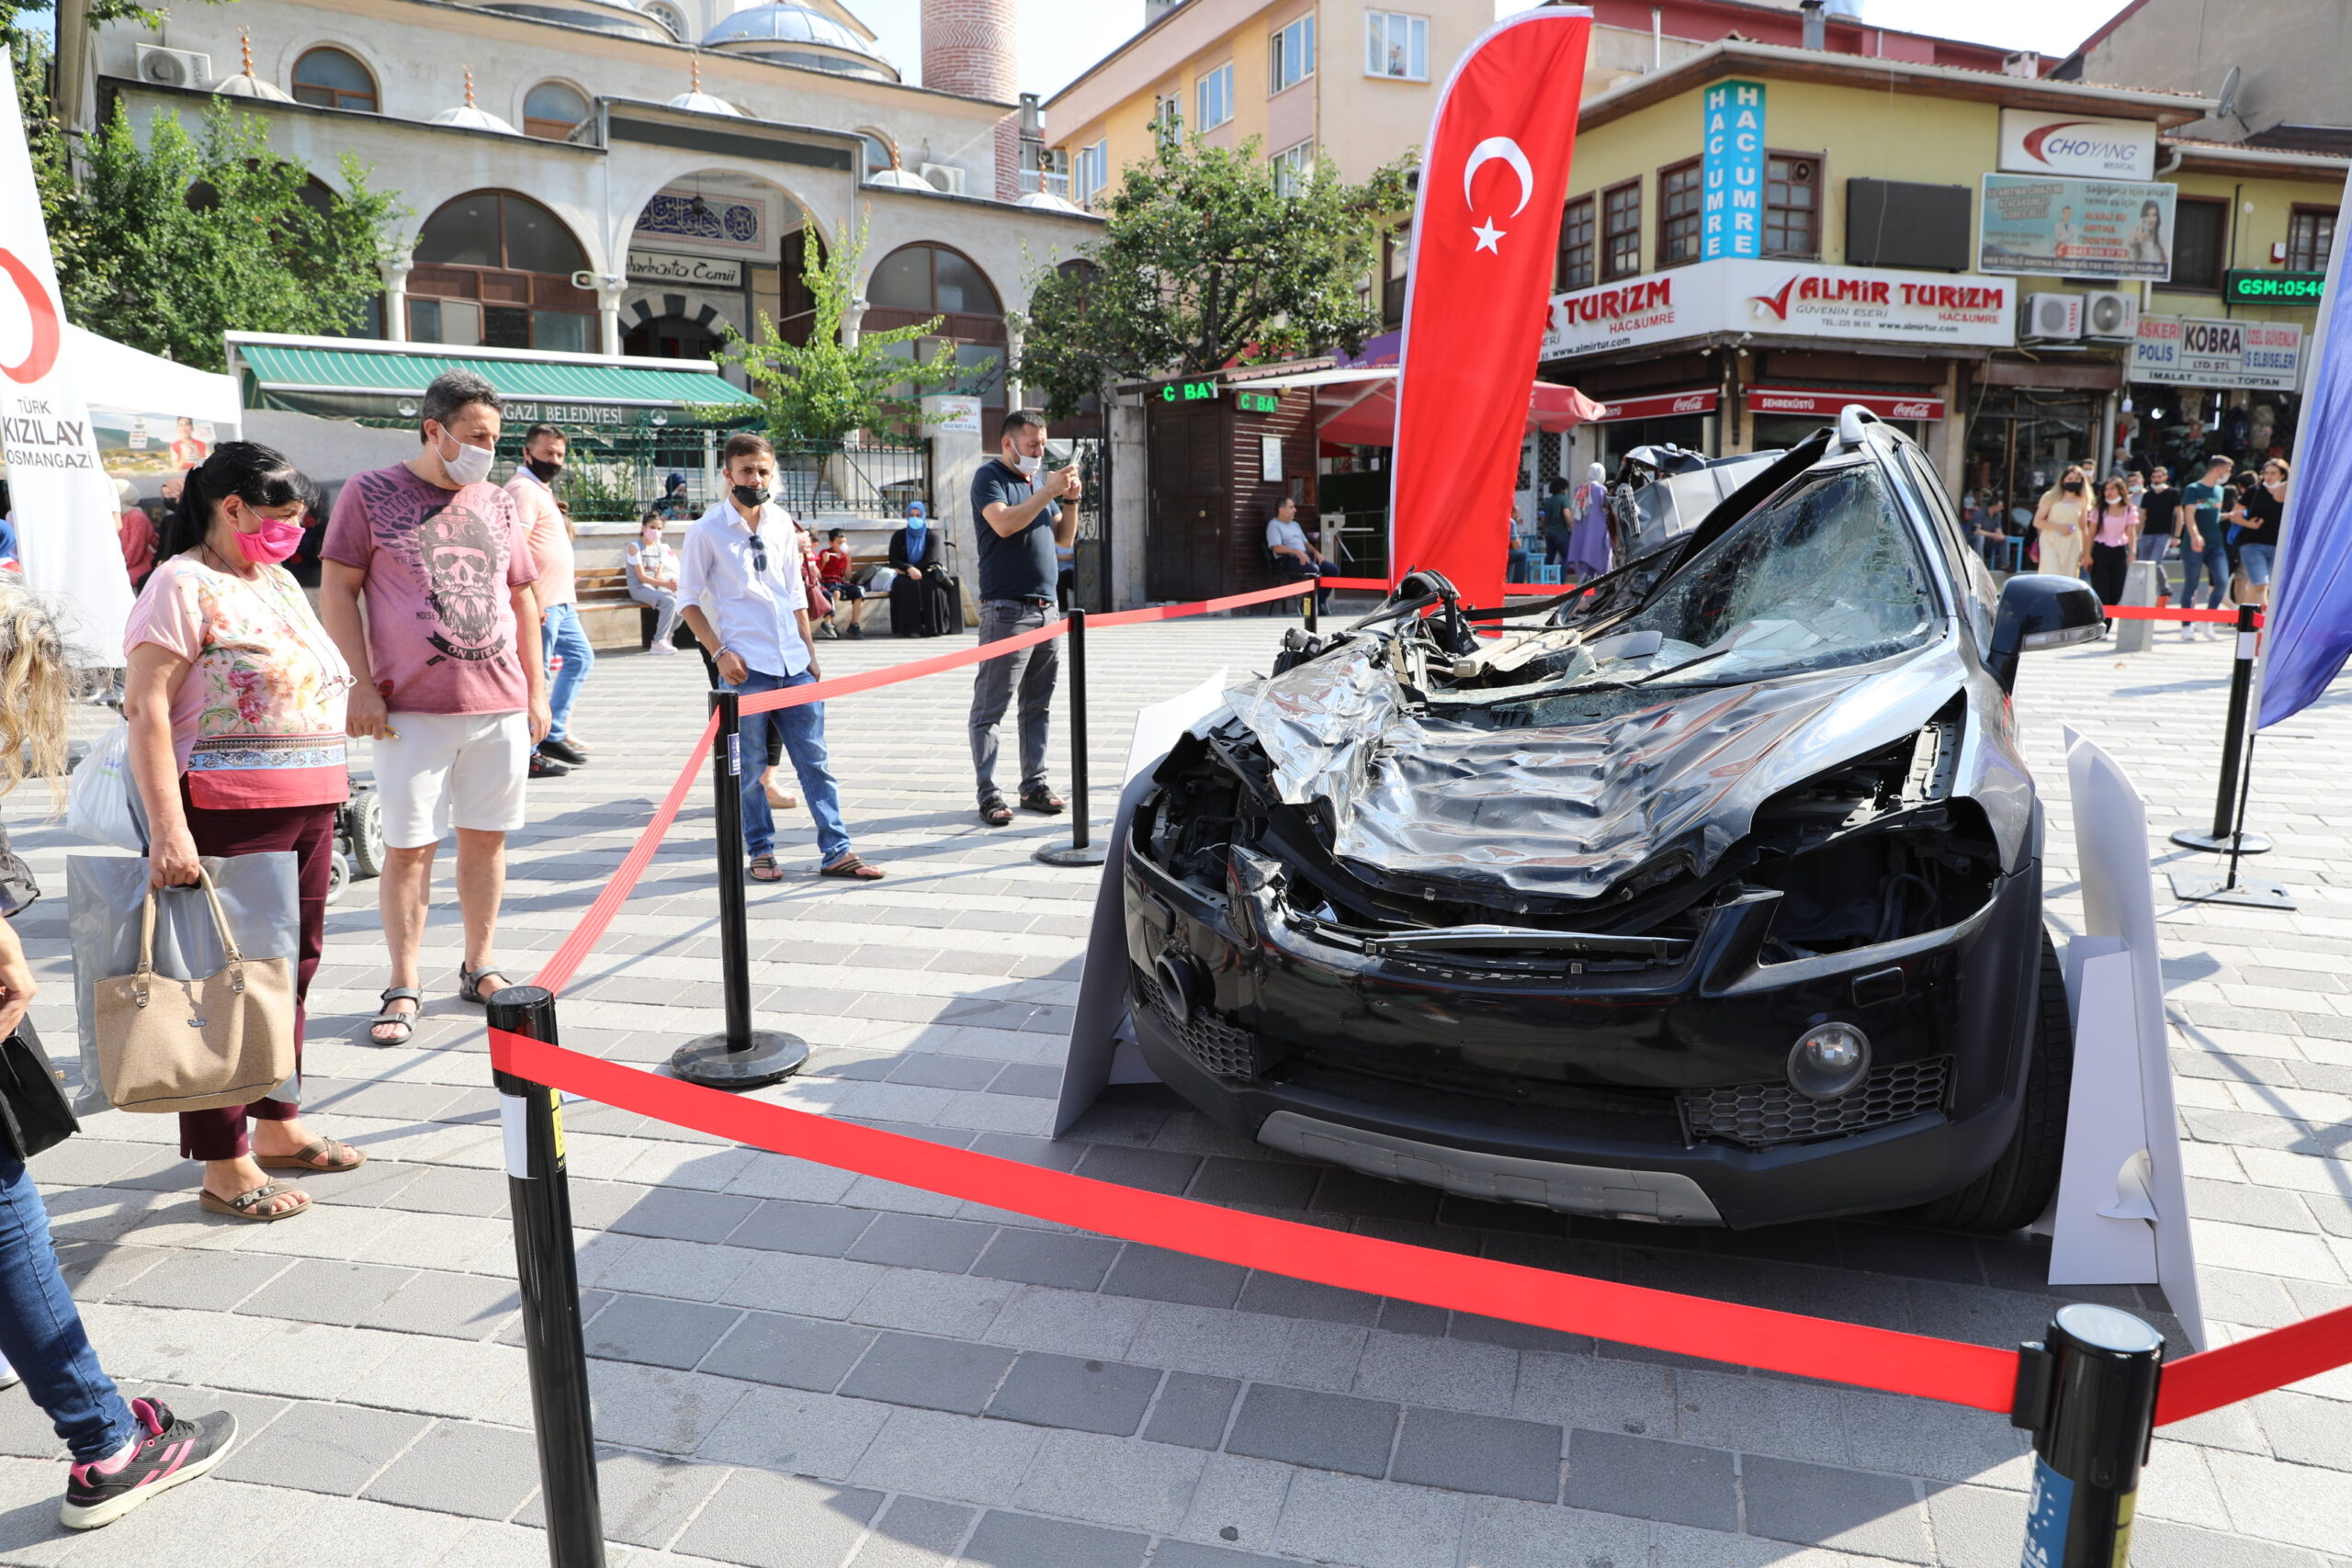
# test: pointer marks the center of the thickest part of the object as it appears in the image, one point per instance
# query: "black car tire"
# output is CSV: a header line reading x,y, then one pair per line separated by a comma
x,y
367,832
2017,1188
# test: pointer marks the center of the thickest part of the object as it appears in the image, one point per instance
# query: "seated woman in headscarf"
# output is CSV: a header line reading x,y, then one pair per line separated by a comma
x,y
1589,553
917,557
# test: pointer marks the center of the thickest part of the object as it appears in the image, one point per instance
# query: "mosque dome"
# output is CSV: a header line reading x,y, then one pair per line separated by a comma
x,y
899,179
469,116
245,84
695,101
795,35
1045,201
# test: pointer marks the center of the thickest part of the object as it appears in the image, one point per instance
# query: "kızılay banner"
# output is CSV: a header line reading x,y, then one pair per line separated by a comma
x,y
1782,299
2201,350
2072,228
67,524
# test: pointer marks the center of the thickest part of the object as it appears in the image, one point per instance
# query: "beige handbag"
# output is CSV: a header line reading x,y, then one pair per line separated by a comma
x,y
226,1039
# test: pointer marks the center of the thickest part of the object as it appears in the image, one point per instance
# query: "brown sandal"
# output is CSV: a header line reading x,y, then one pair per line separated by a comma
x,y
248,1205
849,866
765,869
310,1157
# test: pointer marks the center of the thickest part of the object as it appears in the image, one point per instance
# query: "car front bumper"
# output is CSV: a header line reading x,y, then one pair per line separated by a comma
x,y
1576,1091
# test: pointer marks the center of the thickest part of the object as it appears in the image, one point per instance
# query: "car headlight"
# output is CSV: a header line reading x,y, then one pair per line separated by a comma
x,y
1829,1060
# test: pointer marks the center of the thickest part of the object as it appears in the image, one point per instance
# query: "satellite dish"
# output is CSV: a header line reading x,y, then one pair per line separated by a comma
x,y
2229,94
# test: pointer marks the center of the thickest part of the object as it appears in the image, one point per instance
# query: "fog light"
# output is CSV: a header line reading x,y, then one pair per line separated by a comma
x,y
1180,986
1829,1060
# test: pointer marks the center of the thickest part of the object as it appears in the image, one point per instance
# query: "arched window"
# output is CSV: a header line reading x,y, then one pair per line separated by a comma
x,y
334,80
553,110
933,280
878,152
495,268
914,284
669,17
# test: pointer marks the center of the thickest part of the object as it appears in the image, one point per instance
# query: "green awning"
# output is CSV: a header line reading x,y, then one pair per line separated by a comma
x,y
371,386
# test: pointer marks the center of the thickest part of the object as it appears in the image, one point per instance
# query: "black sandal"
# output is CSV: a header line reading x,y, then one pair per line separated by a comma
x,y
407,1021
469,983
995,812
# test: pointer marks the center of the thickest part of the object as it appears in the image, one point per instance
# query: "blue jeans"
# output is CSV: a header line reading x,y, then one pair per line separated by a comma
x,y
565,648
2214,561
40,1331
803,731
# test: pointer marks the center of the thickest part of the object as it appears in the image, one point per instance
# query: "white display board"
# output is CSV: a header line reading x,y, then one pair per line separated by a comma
x,y
2121,1217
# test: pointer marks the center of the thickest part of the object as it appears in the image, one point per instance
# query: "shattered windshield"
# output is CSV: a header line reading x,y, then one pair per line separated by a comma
x,y
1827,575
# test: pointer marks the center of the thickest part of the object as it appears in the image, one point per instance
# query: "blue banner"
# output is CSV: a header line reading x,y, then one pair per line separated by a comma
x,y
1730,170
2307,625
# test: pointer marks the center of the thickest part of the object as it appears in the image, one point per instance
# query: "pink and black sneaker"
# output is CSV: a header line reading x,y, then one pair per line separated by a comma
x,y
169,1450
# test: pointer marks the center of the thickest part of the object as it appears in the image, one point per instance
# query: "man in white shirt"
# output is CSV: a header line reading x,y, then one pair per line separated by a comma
x,y
1292,552
739,582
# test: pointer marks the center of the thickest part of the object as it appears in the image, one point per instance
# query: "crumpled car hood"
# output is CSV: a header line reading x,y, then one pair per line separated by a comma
x,y
1564,810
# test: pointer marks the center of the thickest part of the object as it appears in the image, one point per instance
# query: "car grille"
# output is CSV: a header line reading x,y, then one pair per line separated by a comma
x,y
1761,1114
1226,1049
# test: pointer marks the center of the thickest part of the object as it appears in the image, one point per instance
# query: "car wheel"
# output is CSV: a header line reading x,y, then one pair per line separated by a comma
x,y
2018,1186
367,832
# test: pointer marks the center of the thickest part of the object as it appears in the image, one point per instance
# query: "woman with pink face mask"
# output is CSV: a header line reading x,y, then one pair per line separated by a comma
x,y
235,701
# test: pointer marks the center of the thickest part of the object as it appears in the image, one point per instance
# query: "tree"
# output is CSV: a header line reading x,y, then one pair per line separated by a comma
x,y
168,246
1206,261
823,389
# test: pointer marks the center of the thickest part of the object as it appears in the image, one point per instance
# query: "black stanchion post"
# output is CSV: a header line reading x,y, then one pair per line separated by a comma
x,y
2087,1393
743,1057
1314,607
539,1195
2229,830
1081,850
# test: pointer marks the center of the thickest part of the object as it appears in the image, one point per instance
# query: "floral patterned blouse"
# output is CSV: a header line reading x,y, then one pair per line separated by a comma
x,y
258,720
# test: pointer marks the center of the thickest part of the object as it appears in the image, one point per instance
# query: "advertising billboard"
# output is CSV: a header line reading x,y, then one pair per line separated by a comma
x,y
1730,170
2033,142
2198,351
1782,299
2073,228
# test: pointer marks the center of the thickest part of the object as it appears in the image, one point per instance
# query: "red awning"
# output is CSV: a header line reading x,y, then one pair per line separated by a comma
x,y
1358,407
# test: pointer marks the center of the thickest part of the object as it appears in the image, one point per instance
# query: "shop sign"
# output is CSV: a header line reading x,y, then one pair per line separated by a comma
x,y
944,414
693,272
1258,402
1189,393
1784,299
1662,405
2073,228
2241,286
2033,142
1730,170
2196,350
1807,400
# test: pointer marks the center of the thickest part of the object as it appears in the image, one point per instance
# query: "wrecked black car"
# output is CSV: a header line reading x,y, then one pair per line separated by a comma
x,y
1710,893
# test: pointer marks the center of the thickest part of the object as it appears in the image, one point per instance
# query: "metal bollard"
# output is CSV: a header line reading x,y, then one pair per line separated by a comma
x,y
1079,851
740,1057
539,1195
2141,587
2235,738
2087,1393
1314,599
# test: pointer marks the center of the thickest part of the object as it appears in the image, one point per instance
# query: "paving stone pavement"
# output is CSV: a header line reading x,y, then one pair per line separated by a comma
x,y
796,1367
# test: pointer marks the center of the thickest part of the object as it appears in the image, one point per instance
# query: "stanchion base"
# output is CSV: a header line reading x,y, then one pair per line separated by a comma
x,y
1070,854
772,1057
2249,893
2219,843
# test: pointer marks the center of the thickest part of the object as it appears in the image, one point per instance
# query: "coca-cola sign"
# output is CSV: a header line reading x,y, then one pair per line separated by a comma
x,y
1662,405
1815,401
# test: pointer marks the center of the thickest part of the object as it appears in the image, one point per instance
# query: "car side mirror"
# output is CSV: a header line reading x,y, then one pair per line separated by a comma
x,y
2040,612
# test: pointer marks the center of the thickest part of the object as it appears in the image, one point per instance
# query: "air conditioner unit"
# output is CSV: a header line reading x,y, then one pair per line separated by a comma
x,y
2052,317
173,67
948,178
2111,316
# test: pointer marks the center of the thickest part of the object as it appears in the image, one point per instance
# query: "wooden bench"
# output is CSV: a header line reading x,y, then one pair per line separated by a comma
x,y
601,594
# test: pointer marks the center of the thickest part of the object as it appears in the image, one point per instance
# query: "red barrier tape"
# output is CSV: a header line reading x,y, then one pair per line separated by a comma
x,y
2207,1382
1885,1358
1920,1365
2151,613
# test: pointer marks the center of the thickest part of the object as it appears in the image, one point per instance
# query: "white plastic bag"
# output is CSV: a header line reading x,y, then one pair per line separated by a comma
x,y
101,805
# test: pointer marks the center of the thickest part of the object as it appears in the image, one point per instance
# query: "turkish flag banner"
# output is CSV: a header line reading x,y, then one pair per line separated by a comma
x,y
1486,228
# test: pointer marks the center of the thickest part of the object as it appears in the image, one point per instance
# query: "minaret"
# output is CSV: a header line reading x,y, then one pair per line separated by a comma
x,y
969,46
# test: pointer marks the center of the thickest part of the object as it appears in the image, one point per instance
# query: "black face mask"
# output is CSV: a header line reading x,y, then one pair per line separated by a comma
x,y
543,470
2073,486
751,495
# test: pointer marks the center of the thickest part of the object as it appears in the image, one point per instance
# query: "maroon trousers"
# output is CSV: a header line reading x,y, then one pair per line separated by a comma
x,y
309,831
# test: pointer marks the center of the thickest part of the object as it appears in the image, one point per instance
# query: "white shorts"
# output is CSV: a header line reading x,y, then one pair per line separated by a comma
x,y
461,769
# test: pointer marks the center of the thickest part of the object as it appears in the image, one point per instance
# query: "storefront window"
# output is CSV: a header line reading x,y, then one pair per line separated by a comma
x,y
2021,440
